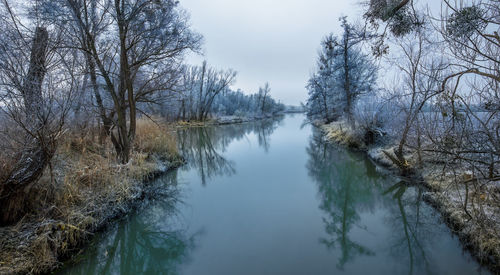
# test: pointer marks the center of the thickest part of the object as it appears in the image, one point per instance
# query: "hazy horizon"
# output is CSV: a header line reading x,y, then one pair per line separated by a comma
x,y
266,41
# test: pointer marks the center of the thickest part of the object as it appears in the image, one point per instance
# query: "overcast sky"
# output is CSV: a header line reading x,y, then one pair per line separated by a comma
x,y
267,40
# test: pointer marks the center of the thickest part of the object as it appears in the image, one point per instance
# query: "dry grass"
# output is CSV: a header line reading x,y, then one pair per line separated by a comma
x,y
480,234
9,145
341,133
154,137
84,190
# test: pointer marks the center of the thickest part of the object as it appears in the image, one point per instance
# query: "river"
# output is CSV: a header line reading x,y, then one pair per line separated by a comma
x,y
272,197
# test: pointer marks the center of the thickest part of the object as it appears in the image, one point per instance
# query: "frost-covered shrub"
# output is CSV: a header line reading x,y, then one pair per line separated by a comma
x,y
465,22
372,117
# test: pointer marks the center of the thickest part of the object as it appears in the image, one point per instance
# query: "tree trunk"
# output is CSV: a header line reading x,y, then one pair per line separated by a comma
x,y
347,83
126,134
37,152
202,81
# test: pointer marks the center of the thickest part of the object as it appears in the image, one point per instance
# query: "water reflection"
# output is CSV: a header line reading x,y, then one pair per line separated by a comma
x,y
345,186
203,152
269,222
142,244
350,190
264,130
157,241
413,237
203,147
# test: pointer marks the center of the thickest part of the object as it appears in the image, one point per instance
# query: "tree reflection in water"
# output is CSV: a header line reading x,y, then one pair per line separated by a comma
x,y
152,243
413,234
203,147
369,221
343,189
142,244
348,185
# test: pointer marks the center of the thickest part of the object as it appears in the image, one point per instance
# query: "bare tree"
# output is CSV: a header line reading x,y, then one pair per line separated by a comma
x,y
137,48
471,91
263,96
36,90
421,74
204,84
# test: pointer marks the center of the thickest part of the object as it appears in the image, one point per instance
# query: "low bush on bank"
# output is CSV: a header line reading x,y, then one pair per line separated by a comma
x,y
360,137
83,189
341,133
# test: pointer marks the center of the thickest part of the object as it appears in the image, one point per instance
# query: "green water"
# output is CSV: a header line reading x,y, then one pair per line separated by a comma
x,y
271,197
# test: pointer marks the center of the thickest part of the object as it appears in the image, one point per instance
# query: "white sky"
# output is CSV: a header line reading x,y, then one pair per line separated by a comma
x,y
267,40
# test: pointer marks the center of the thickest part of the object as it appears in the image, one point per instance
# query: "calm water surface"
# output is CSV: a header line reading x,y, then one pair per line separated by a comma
x,y
271,197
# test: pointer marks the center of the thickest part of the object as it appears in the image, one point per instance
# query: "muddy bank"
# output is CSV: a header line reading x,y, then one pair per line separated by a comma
x,y
448,189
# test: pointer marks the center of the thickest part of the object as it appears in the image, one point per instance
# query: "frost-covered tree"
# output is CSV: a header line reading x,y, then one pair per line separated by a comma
x,y
37,80
471,32
263,96
420,74
205,92
240,104
343,74
390,17
318,103
200,87
134,50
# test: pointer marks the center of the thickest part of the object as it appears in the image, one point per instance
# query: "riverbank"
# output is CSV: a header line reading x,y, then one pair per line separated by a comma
x,y
223,120
83,192
449,190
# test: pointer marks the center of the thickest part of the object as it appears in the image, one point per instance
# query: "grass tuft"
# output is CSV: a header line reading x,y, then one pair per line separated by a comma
x,y
155,138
